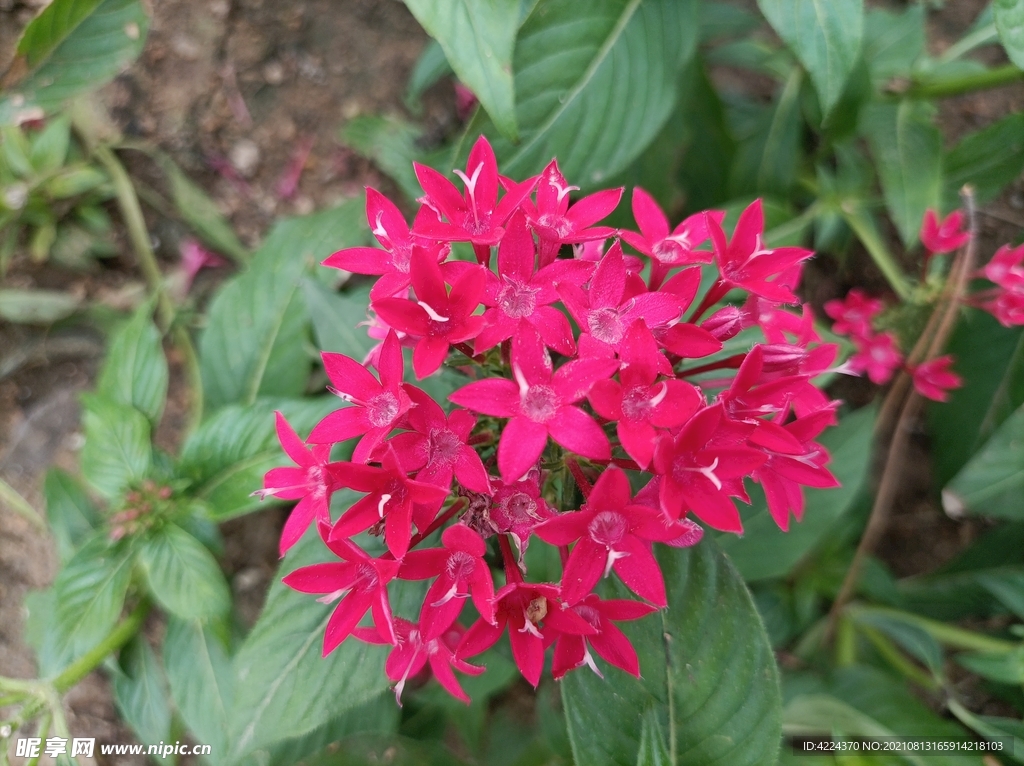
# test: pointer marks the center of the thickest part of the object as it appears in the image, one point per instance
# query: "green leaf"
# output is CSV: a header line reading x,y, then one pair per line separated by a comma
x,y
72,516
893,42
202,684
135,370
36,306
988,160
283,686
907,148
578,71
257,324
430,67
73,181
708,673
992,480
388,142
653,751
336,319
704,171
1003,668
183,575
477,37
15,150
825,35
140,692
89,593
50,148
117,451
1010,24
71,47
228,454
765,551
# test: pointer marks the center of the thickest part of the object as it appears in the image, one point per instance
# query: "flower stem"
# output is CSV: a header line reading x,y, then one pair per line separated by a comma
x,y
579,477
512,573
13,499
117,638
437,523
950,635
866,232
956,85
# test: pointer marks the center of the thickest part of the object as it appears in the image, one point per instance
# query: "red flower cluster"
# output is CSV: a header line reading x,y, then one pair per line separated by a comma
x,y
585,367
1006,301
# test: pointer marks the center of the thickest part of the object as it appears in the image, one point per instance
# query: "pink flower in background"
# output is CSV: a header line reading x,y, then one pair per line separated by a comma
x,y
934,378
946,235
854,314
877,355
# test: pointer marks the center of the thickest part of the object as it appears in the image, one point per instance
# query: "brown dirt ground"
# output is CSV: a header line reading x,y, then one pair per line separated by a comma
x,y
246,81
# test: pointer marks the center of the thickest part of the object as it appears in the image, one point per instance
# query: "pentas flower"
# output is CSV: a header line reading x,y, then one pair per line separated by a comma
x,y
573,651
1006,268
934,379
437,318
877,355
377,405
477,216
854,314
539,403
413,652
946,235
359,580
557,224
312,481
517,508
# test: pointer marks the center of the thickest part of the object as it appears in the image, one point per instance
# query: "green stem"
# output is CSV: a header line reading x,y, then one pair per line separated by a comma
x,y
987,34
950,635
42,733
128,202
117,638
899,662
866,232
20,505
943,87
846,644
188,350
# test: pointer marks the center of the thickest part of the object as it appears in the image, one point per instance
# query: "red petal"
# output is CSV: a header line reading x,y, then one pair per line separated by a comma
x,y
521,445
350,377
577,432
492,396
346,616
649,216
640,571
360,260
340,425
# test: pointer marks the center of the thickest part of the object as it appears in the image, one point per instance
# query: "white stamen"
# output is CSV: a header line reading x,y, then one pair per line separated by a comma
x,y
345,397
379,230
384,498
453,592
517,373
709,472
613,556
471,188
529,627
330,598
562,190
659,397
431,313
588,660
683,240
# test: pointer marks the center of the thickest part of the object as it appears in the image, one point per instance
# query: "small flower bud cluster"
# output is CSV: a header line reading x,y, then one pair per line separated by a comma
x,y
585,366
142,506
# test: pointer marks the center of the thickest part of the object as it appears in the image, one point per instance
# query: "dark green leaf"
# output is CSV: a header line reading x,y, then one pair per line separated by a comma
x,y
72,516
202,684
825,35
183,575
907,148
988,160
89,593
71,47
914,639
390,143
653,751
768,151
117,451
50,147
140,692
893,42
36,306
135,370
337,318
1008,587
1010,24
764,551
257,324
579,70
707,656
430,67
1004,668
991,483
228,454
477,37
718,20
704,171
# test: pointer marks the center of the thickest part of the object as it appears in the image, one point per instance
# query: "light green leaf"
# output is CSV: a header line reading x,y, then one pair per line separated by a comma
x,y
183,575
140,692
228,454
337,318
1003,668
202,684
430,67
135,370
907,148
1010,24
988,160
390,143
257,324
708,674
71,47
50,148
73,181
825,35
89,593
764,551
992,481
477,37
893,42
579,70
117,451
72,516
36,306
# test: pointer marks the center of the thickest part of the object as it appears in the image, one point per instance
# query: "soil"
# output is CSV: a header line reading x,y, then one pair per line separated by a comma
x,y
234,90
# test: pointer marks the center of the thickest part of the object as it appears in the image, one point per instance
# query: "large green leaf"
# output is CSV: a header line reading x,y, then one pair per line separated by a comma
x,y
258,323
135,370
1010,24
825,35
704,171
183,575
117,451
72,516
594,83
988,160
992,482
202,684
709,683
337,318
992,359
477,37
71,47
765,551
390,143
283,686
140,692
228,454
907,148
89,593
